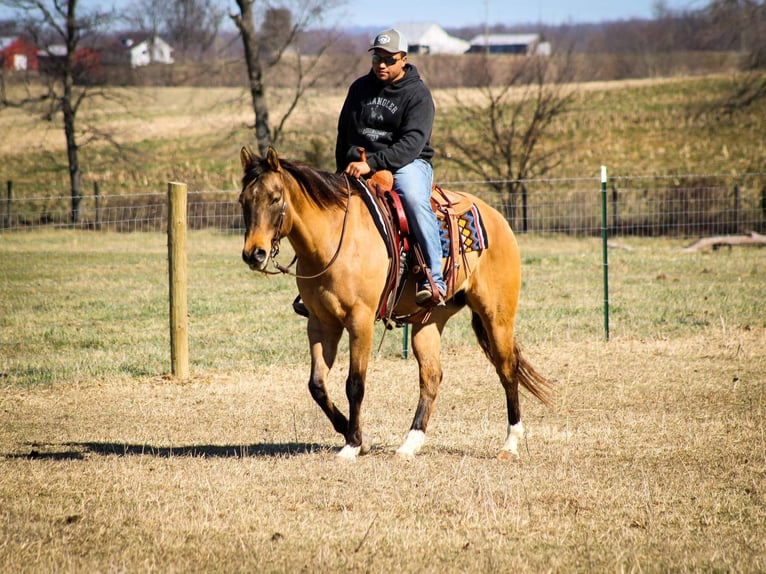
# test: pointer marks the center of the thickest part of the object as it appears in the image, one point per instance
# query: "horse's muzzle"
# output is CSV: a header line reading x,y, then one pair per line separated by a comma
x,y
256,259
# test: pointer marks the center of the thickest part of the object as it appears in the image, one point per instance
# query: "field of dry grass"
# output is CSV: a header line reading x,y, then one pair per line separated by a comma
x,y
652,458
635,127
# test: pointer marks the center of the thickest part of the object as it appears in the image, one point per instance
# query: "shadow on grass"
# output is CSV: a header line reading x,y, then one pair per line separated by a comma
x,y
205,451
80,449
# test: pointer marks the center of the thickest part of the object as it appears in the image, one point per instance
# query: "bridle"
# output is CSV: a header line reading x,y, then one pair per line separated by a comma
x,y
278,237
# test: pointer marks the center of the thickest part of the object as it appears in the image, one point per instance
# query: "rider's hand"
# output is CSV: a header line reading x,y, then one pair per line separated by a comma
x,y
358,168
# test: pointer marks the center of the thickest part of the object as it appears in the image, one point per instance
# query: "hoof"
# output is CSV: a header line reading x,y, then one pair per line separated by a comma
x,y
403,454
348,453
412,445
366,445
510,450
507,455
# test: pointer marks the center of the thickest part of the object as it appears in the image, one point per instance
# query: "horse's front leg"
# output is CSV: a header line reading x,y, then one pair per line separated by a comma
x,y
324,340
426,345
360,345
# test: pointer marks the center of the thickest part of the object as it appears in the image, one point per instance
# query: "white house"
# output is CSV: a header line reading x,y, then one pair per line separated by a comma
x,y
145,49
510,44
430,38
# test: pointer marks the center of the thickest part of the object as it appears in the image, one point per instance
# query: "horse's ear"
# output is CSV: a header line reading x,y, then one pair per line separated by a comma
x,y
273,159
246,157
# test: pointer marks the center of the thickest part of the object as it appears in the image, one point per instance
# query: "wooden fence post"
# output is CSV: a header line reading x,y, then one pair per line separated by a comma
x,y
179,320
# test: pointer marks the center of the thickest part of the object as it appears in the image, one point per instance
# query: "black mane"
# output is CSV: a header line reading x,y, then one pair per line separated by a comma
x,y
323,188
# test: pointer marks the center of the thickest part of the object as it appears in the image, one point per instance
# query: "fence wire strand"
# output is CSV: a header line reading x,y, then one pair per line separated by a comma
x,y
693,205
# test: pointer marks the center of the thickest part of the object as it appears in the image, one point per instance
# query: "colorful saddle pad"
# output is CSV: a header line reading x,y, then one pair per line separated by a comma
x,y
471,231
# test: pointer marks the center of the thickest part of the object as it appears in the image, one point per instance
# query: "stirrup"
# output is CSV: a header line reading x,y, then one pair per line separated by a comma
x,y
427,298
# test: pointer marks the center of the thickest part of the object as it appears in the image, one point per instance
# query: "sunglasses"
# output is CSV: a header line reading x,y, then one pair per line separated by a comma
x,y
387,60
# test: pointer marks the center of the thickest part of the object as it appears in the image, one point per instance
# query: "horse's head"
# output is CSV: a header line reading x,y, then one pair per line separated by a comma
x,y
263,206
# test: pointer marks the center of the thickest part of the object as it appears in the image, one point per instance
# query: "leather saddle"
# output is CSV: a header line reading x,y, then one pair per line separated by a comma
x,y
451,208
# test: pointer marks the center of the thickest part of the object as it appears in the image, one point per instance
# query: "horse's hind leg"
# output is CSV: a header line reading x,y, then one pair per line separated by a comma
x,y
497,341
498,344
426,345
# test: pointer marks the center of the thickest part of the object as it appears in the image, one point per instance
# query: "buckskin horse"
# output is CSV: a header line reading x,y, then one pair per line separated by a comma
x,y
341,271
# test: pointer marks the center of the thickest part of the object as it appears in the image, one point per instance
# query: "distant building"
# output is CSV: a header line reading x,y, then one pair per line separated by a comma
x,y
86,63
137,49
430,38
17,54
529,44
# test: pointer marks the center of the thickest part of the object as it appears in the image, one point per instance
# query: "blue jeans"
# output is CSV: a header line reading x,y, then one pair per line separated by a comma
x,y
413,184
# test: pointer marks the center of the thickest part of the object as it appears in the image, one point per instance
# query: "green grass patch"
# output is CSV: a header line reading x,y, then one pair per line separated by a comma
x,y
84,304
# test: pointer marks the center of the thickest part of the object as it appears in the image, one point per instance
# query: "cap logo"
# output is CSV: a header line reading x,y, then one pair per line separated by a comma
x,y
384,39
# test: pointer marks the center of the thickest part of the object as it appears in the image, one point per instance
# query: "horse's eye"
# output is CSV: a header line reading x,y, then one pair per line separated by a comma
x,y
276,199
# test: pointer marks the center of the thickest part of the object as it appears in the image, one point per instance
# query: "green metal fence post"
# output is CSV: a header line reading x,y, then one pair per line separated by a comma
x,y
604,249
405,341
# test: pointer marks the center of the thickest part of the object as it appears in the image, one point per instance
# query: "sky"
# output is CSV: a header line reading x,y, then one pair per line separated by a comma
x,y
380,14
455,14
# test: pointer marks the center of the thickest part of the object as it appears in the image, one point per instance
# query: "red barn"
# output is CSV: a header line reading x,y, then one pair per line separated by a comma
x,y
17,54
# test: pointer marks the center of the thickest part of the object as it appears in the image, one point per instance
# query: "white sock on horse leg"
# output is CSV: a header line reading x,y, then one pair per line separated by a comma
x,y
349,452
412,444
515,434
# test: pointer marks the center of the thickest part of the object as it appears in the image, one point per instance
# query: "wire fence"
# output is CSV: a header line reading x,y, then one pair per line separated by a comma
x,y
91,303
650,207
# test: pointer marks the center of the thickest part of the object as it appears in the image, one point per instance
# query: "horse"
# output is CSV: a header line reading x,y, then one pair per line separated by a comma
x,y
341,271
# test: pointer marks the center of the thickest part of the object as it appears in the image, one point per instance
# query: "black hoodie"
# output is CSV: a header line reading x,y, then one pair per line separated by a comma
x,y
391,121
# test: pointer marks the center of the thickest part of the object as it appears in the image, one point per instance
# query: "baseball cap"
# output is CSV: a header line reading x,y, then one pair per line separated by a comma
x,y
391,40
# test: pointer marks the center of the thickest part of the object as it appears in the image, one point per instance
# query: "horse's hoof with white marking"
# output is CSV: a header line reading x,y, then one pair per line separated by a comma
x,y
507,455
412,445
402,454
349,453
510,450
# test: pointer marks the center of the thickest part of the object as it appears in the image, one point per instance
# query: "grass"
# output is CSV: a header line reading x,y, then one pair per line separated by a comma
x,y
652,458
627,472
636,128
102,297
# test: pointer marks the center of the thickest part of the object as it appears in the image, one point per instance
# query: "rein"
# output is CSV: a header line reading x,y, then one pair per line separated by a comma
x,y
277,238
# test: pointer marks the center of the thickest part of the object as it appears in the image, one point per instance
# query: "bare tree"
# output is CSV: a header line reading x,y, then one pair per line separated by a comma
x,y
499,137
63,31
744,24
192,26
265,46
147,16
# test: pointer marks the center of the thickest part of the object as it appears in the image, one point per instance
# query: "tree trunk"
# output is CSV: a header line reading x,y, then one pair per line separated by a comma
x,y
75,175
246,26
70,111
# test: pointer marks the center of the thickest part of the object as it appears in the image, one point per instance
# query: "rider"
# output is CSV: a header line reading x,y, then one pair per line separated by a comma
x,y
389,112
